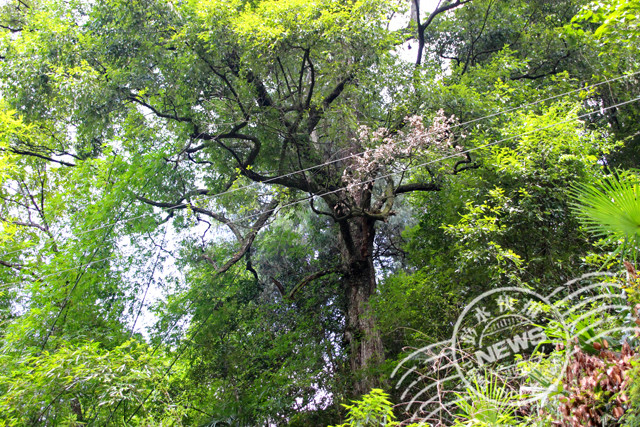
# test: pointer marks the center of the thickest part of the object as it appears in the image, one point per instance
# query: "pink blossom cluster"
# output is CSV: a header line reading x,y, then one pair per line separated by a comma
x,y
392,150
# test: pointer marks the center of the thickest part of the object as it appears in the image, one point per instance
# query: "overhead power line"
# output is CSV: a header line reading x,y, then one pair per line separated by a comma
x,y
202,324
320,165
372,180
173,362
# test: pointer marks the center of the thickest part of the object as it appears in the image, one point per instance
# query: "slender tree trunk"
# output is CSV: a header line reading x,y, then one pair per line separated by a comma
x,y
361,336
76,408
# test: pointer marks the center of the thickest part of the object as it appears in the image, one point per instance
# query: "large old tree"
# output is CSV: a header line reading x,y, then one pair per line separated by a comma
x,y
259,163
203,97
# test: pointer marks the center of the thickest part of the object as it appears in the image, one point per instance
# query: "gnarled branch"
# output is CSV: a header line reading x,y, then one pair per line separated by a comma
x,y
183,205
247,241
304,282
15,150
418,186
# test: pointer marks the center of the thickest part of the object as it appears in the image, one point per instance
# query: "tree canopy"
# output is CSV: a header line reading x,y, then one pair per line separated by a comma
x,y
230,212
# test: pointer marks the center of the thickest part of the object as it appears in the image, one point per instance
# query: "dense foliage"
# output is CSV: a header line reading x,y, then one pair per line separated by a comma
x,y
230,212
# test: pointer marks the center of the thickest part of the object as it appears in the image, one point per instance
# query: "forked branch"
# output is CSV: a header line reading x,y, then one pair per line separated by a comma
x,y
301,284
247,240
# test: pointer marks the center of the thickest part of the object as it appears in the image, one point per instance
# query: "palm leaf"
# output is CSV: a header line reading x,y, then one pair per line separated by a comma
x,y
611,210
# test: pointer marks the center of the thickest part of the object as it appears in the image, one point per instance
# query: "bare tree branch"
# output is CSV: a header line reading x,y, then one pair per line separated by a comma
x,y
422,27
140,101
248,240
466,164
16,150
419,186
316,113
184,205
304,282
11,265
301,284
13,30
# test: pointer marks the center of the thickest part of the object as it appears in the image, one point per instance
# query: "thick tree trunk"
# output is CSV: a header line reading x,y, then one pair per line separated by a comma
x,y
362,339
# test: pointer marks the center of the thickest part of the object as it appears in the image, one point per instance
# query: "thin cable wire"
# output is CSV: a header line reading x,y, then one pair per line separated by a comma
x,y
146,291
153,352
181,351
79,277
173,362
232,190
186,345
457,154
